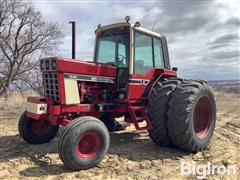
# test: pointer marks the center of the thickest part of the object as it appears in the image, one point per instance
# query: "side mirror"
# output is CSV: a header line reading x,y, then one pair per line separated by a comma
x,y
175,69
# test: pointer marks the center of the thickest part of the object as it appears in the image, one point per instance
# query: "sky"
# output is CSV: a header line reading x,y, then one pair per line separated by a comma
x,y
203,36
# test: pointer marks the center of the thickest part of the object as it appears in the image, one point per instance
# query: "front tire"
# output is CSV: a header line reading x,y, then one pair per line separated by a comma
x,y
36,131
83,143
192,115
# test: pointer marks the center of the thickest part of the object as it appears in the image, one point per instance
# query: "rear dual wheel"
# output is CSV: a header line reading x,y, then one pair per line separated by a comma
x,y
191,116
158,107
83,143
183,113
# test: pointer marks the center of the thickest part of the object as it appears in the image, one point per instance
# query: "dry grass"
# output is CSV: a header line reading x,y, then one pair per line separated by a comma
x,y
130,150
14,102
17,101
227,89
222,95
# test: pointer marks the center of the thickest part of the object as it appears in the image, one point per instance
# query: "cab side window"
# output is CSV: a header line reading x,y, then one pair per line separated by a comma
x,y
106,50
158,55
122,55
143,57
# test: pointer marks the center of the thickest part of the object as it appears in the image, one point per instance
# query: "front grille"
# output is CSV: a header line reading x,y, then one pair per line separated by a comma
x,y
51,89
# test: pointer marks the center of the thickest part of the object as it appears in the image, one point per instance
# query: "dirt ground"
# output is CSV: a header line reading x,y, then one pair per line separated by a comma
x,y
132,155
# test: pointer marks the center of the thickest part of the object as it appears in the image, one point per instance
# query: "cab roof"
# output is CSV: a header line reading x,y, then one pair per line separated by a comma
x,y
125,24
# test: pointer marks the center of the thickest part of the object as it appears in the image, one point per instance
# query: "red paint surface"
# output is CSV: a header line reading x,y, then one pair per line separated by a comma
x,y
61,113
88,145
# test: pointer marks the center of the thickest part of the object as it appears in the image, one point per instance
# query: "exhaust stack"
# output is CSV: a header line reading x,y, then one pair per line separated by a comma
x,y
73,39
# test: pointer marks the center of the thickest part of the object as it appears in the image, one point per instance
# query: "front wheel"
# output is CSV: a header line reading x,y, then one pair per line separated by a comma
x,y
83,143
36,131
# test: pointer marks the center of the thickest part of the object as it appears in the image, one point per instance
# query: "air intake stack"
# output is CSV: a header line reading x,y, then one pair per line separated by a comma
x,y
73,39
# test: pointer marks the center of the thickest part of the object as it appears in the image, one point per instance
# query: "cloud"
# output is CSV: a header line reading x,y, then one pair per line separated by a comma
x,y
203,36
233,21
226,38
225,54
181,17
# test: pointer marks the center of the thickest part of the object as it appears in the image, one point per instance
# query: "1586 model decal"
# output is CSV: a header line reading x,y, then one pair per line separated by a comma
x,y
82,77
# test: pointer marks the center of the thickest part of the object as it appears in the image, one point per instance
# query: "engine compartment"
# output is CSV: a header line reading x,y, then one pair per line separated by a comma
x,y
94,92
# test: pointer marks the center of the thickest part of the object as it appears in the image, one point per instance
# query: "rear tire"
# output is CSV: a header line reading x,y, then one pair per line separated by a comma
x,y
158,107
36,131
83,143
192,115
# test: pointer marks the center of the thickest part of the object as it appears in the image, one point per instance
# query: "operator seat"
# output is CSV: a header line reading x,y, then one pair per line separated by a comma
x,y
139,66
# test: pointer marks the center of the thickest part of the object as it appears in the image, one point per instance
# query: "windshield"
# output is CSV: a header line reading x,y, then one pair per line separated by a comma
x,y
113,47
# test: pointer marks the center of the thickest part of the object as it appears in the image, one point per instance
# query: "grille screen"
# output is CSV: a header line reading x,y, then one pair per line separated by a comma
x,y
51,88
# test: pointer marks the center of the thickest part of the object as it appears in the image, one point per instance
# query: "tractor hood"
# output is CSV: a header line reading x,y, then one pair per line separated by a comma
x,y
64,65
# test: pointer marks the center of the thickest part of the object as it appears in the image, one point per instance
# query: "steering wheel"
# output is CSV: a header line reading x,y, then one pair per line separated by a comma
x,y
121,59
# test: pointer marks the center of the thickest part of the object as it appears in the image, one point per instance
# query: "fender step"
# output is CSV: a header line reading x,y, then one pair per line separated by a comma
x,y
139,114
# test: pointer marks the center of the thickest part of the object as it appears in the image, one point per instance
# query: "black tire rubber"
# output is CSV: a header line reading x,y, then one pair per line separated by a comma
x,y
70,136
24,128
180,115
111,123
157,109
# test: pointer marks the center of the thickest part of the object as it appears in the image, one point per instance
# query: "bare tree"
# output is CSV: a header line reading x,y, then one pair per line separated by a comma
x,y
24,38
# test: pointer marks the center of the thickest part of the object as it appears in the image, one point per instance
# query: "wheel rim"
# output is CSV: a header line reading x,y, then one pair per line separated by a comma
x,y
88,145
202,117
39,127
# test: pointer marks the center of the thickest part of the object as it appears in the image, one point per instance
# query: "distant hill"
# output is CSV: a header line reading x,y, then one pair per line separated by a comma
x,y
225,83
227,86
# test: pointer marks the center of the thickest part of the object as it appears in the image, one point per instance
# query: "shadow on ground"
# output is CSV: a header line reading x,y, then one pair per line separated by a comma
x,y
134,146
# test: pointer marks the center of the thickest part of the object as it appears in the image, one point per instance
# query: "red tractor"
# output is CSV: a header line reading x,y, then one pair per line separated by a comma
x,y
130,76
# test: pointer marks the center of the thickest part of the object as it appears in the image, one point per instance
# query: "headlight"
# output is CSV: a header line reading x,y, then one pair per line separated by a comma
x,y
47,65
42,65
121,96
54,66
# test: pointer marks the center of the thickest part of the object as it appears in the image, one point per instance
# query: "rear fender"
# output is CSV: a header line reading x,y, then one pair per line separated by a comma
x,y
159,74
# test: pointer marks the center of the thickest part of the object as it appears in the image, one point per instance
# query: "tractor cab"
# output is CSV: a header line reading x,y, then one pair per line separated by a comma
x,y
136,52
113,48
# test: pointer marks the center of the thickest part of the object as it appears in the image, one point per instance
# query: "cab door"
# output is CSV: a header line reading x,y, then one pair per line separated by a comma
x,y
147,57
